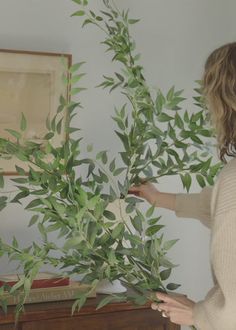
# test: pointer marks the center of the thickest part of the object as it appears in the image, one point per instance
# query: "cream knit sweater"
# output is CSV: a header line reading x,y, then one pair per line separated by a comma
x,y
216,208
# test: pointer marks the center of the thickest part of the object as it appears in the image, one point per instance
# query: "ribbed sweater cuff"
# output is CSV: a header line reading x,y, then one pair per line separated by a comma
x,y
194,206
186,205
200,318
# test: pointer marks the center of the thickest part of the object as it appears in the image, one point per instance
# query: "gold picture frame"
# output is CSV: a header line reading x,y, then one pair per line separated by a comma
x,y
30,83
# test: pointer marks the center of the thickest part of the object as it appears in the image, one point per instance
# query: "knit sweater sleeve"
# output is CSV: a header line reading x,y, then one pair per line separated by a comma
x,y
196,206
217,311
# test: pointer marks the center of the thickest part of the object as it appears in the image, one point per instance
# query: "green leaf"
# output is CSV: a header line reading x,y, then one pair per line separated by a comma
x,y
14,133
78,13
118,171
166,263
23,123
130,208
214,169
120,77
46,202
172,286
152,230
100,154
133,200
59,125
1,181
77,78
3,304
82,197
86,22
3,202
103,176
196,139
140,300
79,303
92,13
104,158
160,101
99,18
117,230
48,136
77,90
34,203
62,102
15,243
206,165
18,285
200,180
153,221
112,257
124,138
107,300
20,180
165,274
186,180
178,121
72,243
170,93
181,145
42,231
137,224
3,199
150,211
75,67
92,202
112,165
163,117
186,117
19,196
205,132
109,215
33,220
168,245
27,285
20,170
133,21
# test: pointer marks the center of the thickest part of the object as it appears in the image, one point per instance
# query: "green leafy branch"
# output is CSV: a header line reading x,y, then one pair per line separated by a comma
x,y
158,139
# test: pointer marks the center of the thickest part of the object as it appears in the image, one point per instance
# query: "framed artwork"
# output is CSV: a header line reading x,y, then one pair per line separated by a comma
x,y
30,83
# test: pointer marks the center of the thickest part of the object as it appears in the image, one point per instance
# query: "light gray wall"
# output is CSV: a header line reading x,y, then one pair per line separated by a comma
x,y
174,38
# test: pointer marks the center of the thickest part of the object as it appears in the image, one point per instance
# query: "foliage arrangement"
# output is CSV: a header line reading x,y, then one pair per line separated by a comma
x,y
158,139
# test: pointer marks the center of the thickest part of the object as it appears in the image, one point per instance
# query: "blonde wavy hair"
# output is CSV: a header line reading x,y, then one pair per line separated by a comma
x,y
219,83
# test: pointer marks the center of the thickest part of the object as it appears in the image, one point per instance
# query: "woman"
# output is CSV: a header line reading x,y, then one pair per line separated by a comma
x,y
215,208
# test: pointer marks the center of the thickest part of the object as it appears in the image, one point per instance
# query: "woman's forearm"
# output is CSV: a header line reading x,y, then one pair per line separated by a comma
x,y
165,200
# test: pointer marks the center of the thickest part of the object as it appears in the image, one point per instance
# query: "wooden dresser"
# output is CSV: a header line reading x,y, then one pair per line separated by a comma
x,y
57,316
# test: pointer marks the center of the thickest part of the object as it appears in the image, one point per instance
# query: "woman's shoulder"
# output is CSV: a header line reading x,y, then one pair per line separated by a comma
x,y
229,170
225,189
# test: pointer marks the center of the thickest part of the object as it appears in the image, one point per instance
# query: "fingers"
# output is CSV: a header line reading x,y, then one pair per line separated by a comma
x,y
134,191
173,299
160,307
177,307
164,308
143,180
164,297
155,307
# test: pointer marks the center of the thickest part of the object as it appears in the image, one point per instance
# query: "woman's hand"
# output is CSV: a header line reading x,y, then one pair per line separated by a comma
x,y
178,308
147,191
